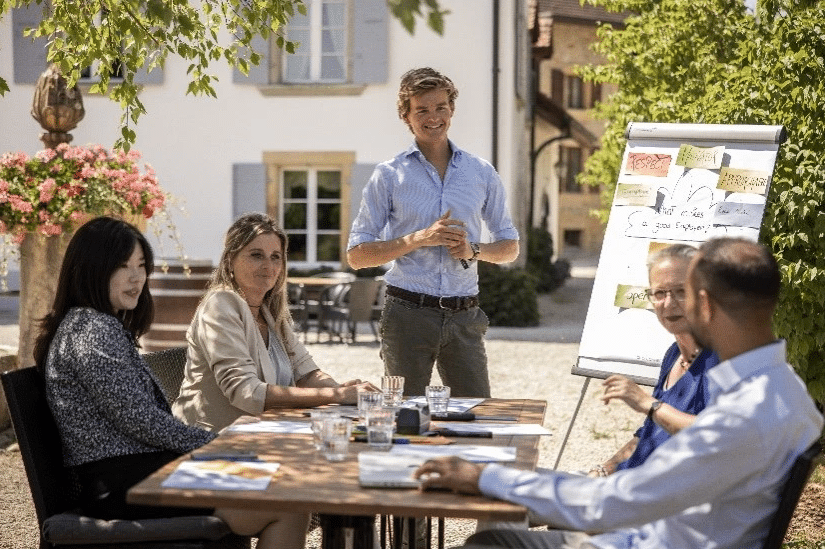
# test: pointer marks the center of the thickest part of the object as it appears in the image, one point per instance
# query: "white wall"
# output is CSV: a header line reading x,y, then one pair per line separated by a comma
x,y
192,142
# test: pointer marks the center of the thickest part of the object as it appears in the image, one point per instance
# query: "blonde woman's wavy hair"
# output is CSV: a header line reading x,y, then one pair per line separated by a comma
x,y
243,231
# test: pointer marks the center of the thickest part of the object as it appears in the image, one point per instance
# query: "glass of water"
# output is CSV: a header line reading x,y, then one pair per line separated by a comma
x,y
380,426
335,433
368,399
438,398
393,389
317,419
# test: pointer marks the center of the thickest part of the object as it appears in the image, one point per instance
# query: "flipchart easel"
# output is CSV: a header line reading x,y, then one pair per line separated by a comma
x,y
677,183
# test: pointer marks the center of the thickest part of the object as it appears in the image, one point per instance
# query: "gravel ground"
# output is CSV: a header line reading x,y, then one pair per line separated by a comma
x,y
523,362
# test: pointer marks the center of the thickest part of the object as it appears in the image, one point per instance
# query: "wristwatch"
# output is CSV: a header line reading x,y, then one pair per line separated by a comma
x,y
653,407
476,250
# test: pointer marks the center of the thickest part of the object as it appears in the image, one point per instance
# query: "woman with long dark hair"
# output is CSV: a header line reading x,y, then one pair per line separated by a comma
x,y
114,421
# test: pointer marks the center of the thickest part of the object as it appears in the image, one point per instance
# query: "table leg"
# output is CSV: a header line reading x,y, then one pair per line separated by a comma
x,y
347,532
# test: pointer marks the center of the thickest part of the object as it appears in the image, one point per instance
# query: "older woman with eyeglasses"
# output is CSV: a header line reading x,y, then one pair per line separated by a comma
x,y
682,390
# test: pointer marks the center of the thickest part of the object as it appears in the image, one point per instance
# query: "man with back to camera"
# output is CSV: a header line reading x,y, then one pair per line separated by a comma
x,y
715,484
423,210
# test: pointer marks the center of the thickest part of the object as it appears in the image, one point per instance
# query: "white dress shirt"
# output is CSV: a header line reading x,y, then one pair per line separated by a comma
x,y
713,485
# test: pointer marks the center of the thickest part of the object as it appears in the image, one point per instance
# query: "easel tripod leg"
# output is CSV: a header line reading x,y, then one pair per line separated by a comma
x,y
572,420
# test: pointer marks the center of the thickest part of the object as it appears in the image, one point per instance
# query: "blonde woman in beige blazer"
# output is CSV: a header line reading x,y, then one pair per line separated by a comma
x,y
244,358
243,355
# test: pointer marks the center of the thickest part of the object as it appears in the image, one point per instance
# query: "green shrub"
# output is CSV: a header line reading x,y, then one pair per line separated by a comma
x,y
508,296
549,274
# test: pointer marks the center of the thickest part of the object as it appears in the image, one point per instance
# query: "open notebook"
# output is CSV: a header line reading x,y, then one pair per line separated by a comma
x,y
387,470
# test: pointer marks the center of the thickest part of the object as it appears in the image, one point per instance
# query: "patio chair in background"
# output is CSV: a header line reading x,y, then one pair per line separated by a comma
x,y
354,306
298,307
53,490
332,311
319,299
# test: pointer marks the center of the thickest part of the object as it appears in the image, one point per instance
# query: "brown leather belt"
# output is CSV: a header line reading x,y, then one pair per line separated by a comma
x,y
456,303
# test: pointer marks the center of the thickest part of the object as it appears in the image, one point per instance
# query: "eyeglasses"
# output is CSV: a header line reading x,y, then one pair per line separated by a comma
x,y
659,295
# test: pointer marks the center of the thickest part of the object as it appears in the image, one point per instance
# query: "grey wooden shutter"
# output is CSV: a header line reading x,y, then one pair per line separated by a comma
x,y
248,189
258,74
360,175
370,50
29,55
557,86
146,78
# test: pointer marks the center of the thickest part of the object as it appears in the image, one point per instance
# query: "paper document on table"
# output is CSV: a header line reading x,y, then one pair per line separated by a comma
x,y
479,454
268,426
388,470
500,428
222,475
460,404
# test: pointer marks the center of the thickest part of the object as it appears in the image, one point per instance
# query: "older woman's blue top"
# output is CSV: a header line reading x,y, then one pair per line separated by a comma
x,y
689,394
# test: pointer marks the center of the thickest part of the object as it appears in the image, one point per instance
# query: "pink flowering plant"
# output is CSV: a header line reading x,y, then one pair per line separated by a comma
x,y
58,188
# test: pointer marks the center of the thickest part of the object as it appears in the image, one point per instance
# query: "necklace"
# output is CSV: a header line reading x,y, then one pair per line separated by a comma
x,y
685,364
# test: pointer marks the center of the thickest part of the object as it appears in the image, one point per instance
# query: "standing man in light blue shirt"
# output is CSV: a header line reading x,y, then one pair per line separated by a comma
x,y
715,484
423,211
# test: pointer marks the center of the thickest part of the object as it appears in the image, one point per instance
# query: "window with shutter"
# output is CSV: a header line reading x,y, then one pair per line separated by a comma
x,y
310,196
342,47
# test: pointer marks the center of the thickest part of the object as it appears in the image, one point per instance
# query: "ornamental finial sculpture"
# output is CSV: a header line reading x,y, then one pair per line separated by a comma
x,y
56,107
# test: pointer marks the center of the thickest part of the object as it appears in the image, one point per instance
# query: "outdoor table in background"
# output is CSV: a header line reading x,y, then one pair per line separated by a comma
x,y
307,482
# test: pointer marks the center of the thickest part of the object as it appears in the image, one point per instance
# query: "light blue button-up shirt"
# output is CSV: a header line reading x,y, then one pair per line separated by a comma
x,y
713,485
406,194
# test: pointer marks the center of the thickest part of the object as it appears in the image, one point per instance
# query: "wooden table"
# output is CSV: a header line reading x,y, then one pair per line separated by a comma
x,y
310,483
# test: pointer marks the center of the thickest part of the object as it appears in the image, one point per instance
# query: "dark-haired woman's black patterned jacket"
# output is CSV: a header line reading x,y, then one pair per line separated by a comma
x,y
103,396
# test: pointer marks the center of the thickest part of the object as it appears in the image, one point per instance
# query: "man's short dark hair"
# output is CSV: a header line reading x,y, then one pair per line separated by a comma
x,y
739,274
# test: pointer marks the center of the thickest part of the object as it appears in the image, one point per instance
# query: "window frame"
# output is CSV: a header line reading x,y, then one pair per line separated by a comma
x,y
278,162
568,183
316,53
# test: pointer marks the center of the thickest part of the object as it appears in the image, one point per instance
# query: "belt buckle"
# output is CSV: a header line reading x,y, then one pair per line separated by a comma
x,y
440,304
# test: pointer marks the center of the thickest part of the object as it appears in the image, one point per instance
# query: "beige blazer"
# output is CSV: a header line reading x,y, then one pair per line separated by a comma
x,y
228,365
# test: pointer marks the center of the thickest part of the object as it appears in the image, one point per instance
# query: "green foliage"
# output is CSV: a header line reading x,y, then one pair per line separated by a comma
x,y
406,12
508,296
549,274
141,34
709,61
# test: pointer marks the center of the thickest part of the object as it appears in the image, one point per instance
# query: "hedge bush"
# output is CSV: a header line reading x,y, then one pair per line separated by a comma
x,y
508,296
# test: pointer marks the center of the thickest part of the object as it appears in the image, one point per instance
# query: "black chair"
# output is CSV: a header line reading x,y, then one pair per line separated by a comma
x,y
790,494
53,489
298,307
168,366
353,306
333,314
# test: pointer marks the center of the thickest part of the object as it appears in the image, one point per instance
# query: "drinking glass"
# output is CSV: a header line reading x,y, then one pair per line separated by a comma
x,y
393,388
335,433
380,426
438,397
317,419
368,399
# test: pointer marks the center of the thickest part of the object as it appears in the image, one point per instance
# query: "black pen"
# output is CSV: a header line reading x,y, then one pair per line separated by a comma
x,y
468,416
236,456
363,438
474,434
